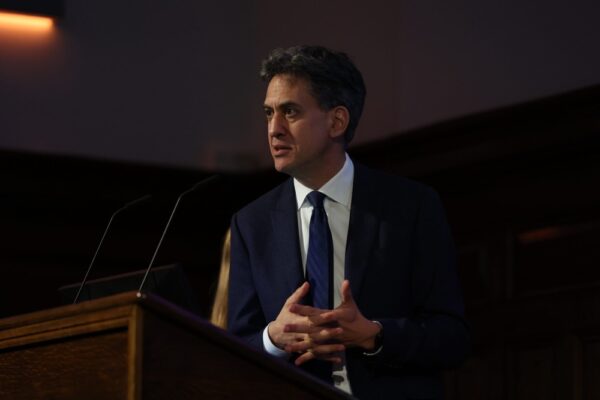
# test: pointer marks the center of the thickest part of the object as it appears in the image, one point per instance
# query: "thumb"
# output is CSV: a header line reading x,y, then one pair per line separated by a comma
x,y
298,294
346,292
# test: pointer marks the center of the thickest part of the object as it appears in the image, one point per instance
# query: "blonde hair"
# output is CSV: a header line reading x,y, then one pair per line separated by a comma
x,y
218,315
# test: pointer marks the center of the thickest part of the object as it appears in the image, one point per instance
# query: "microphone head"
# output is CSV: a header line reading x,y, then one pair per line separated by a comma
x,y
137,201
203,182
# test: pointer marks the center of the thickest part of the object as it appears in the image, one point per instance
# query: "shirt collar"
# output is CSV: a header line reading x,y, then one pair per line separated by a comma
x,y
338,188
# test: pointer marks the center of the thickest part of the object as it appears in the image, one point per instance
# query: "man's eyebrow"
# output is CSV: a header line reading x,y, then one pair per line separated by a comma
x,y
283,105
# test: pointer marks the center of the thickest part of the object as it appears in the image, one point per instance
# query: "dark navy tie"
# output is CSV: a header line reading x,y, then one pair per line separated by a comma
x,y
319,259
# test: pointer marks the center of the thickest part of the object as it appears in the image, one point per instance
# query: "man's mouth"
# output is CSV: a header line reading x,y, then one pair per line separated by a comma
x,y
280,150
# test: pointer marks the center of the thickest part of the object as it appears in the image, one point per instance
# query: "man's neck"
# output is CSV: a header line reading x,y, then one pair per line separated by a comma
x,y
324,173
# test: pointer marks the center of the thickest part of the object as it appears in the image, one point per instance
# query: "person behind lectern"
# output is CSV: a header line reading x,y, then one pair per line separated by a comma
x,y
346,271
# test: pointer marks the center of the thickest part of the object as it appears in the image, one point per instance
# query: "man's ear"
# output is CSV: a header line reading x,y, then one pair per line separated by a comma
x,y
340,118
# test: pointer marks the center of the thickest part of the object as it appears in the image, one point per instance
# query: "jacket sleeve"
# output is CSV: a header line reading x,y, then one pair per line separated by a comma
x,y
436,335
245,318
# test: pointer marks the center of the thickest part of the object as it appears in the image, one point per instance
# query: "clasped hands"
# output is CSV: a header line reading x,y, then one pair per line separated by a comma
x,y
321,334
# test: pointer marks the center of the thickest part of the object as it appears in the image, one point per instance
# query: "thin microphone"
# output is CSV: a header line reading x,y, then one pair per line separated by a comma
x,y
126,206
203,182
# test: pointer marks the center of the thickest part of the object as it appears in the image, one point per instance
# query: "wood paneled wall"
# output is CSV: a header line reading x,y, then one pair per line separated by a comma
x,y
521,187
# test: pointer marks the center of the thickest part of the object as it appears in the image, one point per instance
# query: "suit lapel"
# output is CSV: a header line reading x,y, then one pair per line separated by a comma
x,y
287,262
362,231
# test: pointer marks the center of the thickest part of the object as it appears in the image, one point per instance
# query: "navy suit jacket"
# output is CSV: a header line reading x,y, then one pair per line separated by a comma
x,y
400,264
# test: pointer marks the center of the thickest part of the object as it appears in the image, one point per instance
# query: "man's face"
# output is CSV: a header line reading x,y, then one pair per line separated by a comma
x,y
299,131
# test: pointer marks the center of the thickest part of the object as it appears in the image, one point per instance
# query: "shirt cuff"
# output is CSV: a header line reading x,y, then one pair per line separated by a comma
x,y
270,347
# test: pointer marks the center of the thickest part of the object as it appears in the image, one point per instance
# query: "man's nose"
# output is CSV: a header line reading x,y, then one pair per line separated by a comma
x,y
276,125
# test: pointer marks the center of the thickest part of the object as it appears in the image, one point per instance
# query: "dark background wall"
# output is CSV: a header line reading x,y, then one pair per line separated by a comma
x,y
121,100
175,82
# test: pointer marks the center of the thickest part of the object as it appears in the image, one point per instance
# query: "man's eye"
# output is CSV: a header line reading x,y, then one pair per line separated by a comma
x,y
290,112
268,113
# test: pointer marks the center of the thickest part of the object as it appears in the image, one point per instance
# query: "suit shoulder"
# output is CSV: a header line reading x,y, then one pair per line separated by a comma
x,y
380,181
268,201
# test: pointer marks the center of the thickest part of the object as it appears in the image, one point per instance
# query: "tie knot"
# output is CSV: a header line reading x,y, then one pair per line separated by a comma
x,y
316,199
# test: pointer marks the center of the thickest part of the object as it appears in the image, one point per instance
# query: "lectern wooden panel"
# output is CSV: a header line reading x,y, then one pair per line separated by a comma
x,y
125,347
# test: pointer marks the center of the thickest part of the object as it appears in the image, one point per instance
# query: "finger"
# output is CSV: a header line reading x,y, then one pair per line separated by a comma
x,y
318,320
316,333
318,349
327,349
334,316
326,335
286,339
304,358
313,314
305,311
321,353
294,337
298,347
300,328
298,294
346,292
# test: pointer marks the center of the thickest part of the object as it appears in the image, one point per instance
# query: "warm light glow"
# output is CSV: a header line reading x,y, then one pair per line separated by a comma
x,y
540,235
29,22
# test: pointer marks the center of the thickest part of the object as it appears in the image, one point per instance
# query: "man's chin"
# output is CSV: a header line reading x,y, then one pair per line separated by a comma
x,y
282,166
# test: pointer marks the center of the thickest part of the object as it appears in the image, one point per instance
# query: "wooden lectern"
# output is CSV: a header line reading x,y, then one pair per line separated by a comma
x,y
130,347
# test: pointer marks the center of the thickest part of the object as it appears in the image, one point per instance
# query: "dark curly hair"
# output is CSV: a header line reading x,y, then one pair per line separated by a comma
x,y
334,79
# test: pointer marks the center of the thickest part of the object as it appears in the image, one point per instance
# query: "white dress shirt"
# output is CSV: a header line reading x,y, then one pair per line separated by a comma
x,y
337,207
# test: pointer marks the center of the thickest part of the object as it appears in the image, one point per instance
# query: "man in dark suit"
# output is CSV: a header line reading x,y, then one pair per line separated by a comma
x,y
394,317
